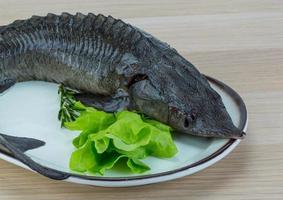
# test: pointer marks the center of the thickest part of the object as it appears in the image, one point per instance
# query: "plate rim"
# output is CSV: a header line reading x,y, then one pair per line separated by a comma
x,y
213,157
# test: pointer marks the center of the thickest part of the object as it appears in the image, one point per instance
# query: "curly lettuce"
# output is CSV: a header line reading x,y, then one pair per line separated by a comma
x,y
124,137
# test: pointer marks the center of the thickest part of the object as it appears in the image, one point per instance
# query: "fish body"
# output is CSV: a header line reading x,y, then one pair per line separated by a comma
x,y
115,66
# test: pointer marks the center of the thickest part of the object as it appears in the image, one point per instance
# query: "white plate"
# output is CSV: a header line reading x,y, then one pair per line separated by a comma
x,y
30,109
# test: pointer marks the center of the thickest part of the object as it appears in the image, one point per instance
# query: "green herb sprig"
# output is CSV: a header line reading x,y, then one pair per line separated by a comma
x,y
67,112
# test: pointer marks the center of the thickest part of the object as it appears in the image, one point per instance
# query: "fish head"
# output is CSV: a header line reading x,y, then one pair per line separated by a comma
x,y
175,93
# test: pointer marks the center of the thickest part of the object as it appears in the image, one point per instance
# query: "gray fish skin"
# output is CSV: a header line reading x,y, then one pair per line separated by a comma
x,y
107,57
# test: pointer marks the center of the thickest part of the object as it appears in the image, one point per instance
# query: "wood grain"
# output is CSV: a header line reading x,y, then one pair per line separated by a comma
x,y
237,41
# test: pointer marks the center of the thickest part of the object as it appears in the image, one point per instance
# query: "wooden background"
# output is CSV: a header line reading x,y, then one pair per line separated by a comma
x,y
239,42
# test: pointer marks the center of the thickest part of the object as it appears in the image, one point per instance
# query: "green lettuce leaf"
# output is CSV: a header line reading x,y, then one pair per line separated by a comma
x,y
84,158
137,166
124,137
90,121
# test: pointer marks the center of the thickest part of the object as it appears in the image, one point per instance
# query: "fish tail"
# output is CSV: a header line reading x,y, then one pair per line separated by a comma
x,y
10,146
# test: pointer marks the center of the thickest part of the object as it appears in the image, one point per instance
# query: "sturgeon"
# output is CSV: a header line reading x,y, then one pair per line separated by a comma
x,y
115,66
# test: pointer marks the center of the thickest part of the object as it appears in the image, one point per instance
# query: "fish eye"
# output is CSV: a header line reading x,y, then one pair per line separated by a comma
x,y
186,122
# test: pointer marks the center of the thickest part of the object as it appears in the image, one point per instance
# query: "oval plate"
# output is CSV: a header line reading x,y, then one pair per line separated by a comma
x,y
30,109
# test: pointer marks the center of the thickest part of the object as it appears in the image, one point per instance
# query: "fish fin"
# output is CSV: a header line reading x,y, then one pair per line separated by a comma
x,y
5,84
18,154
114,103
22,143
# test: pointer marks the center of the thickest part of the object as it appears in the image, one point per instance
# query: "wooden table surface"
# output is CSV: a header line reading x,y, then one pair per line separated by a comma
x,y
239,42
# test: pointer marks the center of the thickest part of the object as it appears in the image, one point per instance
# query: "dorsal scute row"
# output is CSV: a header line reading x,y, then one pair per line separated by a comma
x,y
25,34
